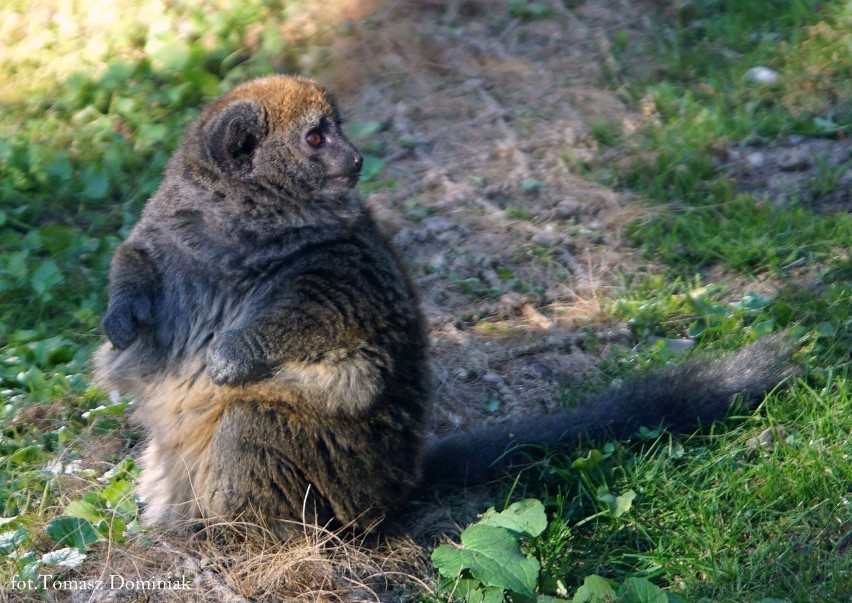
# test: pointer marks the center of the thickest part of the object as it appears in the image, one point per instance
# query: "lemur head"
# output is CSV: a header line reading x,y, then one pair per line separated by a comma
x,y
282,134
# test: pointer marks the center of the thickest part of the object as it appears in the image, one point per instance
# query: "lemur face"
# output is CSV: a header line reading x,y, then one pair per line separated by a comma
x,y
284,134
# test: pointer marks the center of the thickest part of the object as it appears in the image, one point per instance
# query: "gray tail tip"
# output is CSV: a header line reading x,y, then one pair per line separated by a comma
x,y
769,360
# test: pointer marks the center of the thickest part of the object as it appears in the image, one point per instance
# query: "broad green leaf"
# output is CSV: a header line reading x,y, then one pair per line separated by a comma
x,y
754,301
492,555
204,81
96,184
588,462
173,55
84,510
594,590
472,591
618,505
119,496
529,185
525,517
57,238
9,541
125,470
16,264
74,531
640,590
764,327
27,455
45,277
68,557
30,571
373,166
150,135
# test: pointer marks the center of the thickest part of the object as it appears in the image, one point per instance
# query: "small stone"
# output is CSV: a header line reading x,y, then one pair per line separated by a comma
x,y
543,370
793,159
498,189
762,75
449,238
546,239
436,262
491,377
675,345
767,438
756,159
404,237
567,209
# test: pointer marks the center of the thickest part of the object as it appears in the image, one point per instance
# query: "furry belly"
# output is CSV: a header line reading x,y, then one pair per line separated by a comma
x,y
181,412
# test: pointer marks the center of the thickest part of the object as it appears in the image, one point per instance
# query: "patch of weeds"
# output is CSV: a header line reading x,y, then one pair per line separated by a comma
x,y
531,185
517,212
474,287
703,104
743,234
827,179
93,110
606,132
654,307
417,212
500,558
516,284
371,172
107,512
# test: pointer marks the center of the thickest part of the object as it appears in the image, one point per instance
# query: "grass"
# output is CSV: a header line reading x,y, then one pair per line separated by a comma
x,y
96,97
716,517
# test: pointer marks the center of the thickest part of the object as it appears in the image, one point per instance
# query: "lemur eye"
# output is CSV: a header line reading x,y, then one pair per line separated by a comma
x,y
314,138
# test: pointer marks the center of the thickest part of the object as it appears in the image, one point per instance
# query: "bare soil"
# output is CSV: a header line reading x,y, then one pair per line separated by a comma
x,y
484,117
815,171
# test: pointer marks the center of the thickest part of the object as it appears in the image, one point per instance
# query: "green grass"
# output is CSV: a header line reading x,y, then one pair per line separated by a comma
x,y
715,518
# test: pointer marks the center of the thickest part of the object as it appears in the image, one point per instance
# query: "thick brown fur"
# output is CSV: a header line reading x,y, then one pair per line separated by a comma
x,y
268,333
275,349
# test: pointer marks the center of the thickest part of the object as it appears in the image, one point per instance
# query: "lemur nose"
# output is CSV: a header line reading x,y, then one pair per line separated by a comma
x,y
359,162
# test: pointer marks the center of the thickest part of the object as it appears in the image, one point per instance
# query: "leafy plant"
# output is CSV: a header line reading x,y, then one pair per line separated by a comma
x,y
490,560
496,561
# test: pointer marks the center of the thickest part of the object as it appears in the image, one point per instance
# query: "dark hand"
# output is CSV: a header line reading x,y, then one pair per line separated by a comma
x,y
124,319
236,359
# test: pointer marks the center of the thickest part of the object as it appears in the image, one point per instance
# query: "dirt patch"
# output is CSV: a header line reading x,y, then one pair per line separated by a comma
x,y
815,171
482,115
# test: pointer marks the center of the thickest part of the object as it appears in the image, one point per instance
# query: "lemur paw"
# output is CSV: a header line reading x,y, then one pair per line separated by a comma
x,y
124,319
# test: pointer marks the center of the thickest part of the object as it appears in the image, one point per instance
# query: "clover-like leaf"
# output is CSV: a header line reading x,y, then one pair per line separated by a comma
x,y
525,518
492,555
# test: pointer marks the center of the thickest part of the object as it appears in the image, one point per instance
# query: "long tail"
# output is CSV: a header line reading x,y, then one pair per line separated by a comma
x,y
697,391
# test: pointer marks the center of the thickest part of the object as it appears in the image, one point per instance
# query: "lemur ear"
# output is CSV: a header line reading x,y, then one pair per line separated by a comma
x,y
233,135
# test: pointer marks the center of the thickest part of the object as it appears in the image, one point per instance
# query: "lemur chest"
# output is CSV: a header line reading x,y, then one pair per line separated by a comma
x,y
193,309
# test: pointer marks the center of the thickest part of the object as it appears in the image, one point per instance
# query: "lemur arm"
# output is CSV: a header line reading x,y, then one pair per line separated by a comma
x,y
133,282
298,328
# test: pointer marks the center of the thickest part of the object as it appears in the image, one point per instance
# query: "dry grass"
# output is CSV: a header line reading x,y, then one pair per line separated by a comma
x,y
233,562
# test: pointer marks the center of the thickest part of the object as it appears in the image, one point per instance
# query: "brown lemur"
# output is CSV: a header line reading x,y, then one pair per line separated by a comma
x,y
275,348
